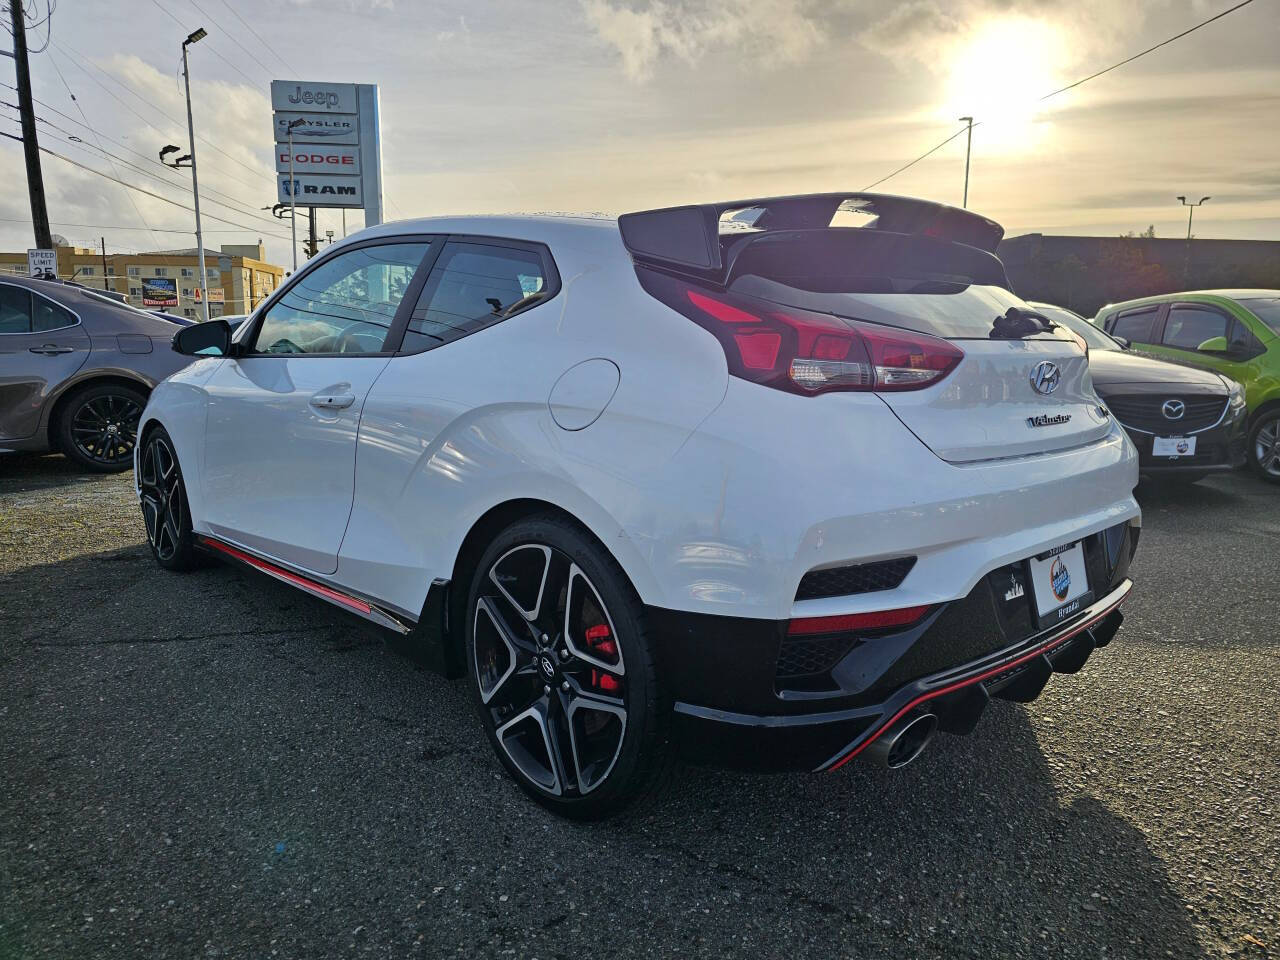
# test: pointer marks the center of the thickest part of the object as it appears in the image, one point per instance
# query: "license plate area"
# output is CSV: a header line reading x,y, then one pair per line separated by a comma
x,y
1059,584
1173,447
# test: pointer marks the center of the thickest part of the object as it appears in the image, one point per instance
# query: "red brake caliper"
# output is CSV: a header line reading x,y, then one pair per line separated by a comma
x,y
601,643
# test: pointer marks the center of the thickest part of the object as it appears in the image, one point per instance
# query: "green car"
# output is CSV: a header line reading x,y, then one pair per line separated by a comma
x,y
1235,332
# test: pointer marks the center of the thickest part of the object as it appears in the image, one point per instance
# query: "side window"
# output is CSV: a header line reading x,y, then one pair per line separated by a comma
x,y
47,315
1135,325
345,305
1188,327
15,309
473,286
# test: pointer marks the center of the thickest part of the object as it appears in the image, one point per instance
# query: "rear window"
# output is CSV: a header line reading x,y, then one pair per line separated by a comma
x,y
1266,309
916,283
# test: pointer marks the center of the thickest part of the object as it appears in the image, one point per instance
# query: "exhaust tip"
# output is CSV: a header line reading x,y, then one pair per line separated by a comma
x,y
905,741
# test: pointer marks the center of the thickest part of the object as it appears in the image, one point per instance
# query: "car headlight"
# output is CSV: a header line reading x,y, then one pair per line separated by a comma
x,y
1237,395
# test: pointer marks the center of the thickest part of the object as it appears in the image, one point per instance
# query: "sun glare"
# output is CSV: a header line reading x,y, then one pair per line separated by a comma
x,y
999,73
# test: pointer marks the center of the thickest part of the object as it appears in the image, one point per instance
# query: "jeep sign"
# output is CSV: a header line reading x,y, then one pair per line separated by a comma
x,y
333,158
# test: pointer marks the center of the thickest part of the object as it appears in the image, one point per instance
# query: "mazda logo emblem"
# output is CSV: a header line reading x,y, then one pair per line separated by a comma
x,y
1045,376
1173,409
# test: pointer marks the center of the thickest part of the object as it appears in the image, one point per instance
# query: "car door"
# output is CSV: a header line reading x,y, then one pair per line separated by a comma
x,y
283,412
1139,326
42,344
1188,325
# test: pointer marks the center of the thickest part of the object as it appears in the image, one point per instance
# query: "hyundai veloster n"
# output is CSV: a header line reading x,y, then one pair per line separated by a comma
x,y
773,483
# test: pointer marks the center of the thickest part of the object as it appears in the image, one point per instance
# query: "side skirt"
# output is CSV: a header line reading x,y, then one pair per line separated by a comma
x,y
360,606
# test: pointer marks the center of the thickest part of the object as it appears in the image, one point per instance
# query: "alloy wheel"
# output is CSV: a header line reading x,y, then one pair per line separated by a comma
x,y
162,504
104,429
549,670
1266,448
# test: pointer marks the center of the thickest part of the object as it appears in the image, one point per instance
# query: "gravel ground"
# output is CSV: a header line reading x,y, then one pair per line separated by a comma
x,y
214,765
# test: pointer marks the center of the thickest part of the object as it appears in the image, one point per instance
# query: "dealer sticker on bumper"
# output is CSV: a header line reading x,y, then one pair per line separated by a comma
x,y
1173,446
1059,583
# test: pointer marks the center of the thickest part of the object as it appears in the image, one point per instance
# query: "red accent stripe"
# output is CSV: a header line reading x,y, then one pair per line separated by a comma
x,y
1039,651
877,619
287,575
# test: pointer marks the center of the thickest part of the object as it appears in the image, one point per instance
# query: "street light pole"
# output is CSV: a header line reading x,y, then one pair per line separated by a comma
x,y
195,37
293,194
968,148
1191,210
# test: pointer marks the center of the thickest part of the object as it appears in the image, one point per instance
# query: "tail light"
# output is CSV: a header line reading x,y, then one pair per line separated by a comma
x,y
805,352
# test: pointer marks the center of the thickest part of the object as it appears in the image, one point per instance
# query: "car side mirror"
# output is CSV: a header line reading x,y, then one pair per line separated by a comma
x,y
1125,342
209,339
1214,345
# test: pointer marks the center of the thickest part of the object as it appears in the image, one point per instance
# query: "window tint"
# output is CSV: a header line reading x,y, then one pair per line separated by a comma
x,y
1188,327
15,310
474,286
49,316
1266,309
1135,325
345,305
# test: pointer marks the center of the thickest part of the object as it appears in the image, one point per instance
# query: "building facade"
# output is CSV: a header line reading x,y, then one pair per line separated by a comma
x,y
239,275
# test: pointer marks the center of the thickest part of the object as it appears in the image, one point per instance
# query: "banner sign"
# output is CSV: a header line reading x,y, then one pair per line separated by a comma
x,y
159,292
321,190
318,159
41,262
337,145
216,295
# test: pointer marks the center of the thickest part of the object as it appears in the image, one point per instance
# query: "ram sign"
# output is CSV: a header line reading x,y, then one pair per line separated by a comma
x,y
328,150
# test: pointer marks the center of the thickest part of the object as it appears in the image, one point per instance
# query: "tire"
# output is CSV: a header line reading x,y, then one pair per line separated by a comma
x,y
562,670
98,427
1264,446
165,512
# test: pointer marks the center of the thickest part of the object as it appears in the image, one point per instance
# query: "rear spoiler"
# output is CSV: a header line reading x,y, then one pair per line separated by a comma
x,y
689,237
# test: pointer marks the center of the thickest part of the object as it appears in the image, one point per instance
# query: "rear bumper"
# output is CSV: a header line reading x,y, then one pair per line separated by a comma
x,y
732,710
826,741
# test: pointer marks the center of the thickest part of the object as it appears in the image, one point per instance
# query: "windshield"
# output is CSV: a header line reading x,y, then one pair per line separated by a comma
x,y
1266,309
1096,339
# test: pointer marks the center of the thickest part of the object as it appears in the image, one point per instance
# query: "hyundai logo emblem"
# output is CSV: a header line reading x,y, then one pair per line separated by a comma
x,y
1045,376
547,667
1173,409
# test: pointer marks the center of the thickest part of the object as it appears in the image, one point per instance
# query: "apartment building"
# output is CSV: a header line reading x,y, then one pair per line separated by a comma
x,y
239,275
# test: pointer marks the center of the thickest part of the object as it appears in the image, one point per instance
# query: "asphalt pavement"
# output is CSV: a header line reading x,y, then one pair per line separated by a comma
x,y
215,765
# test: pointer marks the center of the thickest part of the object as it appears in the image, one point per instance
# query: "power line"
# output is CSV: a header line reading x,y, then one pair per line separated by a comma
x,y
1179,36
149,193
232,37
80,60
163,9
1072,86
85,119
112,226
248,27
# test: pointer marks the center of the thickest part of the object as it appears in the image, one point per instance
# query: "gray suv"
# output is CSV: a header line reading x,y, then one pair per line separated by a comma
x,y
76,367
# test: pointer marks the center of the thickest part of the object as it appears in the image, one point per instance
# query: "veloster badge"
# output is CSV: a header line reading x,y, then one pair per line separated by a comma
x,y
1045,420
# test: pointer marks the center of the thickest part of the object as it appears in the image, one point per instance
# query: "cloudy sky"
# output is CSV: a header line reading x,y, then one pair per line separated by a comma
x,y
613,105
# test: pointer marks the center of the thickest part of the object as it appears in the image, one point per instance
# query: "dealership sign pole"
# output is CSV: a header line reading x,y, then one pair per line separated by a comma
x,y
328,146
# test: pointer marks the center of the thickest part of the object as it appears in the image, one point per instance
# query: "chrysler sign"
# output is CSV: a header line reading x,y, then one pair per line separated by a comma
x,y
332,157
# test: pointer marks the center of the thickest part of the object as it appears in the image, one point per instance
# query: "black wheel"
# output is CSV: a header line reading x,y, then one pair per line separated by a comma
x,y
99,427
563,672
1264,446
164,504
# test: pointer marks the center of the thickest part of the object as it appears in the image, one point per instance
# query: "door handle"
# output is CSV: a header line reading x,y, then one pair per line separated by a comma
x,y
50,349
333,401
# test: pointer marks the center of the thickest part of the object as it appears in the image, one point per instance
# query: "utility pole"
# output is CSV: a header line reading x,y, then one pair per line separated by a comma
x,y
1191,210
313,243
199,34
30,145
968,149
105,284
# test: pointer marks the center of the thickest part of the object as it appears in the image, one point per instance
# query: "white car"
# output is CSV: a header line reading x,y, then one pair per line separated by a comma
x,y
775,482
